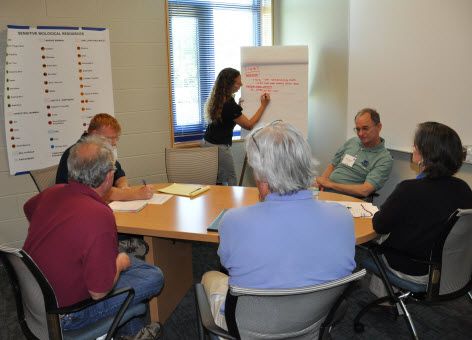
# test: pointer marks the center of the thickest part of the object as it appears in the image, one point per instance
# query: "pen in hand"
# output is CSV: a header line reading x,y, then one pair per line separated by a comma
x,y
146,191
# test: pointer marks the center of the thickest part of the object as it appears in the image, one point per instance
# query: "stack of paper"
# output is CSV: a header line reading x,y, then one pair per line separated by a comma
x,y
188,190
359,209
131,206
137,205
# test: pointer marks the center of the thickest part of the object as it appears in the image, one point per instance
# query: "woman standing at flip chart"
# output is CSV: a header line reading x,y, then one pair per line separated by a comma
x,y
222,114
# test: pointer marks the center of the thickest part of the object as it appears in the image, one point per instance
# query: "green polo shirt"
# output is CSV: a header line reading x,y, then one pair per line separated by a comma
x,y
372,165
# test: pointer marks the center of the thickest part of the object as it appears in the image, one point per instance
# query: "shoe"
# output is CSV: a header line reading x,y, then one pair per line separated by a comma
x,y
152,331
134,246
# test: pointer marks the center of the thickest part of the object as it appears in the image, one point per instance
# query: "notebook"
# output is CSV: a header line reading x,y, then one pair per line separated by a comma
x,y
216,222
128,206
188,190
137,205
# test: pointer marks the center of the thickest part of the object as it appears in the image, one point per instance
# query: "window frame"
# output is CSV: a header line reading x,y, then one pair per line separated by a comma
x,y
202,11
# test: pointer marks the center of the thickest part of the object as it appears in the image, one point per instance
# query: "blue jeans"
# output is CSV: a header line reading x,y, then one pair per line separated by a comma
x,y
147,281
393,278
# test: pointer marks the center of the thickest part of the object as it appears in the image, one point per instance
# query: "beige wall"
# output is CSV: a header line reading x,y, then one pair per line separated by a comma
x,y
323,26
140,86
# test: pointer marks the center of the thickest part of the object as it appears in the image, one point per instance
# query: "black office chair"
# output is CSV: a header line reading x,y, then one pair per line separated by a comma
x,y
450,271
37,307
297,313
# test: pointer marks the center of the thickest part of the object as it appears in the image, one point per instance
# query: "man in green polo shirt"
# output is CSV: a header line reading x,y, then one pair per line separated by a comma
x,y
363,164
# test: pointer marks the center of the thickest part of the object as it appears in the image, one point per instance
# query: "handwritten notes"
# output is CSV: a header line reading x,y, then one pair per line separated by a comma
x,y
282,72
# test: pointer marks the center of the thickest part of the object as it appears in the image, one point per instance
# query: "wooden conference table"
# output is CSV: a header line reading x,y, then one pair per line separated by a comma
x,y
169,227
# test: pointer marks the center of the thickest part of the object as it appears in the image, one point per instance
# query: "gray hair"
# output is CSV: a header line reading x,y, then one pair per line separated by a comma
x,y
374,115
90,160
280,156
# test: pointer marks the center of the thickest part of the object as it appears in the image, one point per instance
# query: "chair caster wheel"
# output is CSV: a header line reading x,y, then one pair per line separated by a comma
x,y
358,327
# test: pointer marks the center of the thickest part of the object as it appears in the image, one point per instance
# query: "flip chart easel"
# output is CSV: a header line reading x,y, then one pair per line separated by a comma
x,y
281,71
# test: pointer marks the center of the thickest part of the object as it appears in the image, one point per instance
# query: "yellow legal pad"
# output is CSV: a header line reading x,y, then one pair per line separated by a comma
x,y
187,190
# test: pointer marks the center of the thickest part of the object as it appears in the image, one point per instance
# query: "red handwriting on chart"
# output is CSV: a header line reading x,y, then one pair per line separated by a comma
x,y
252,71
270,85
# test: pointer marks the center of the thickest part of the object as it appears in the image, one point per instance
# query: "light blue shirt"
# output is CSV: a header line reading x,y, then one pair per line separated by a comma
x,y
286,242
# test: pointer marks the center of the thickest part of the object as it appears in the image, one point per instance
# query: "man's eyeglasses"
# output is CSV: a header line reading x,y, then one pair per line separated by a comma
x,y
363,129
253,135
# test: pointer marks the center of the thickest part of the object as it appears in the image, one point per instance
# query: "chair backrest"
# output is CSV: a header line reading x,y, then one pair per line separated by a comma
x,y
456,264
287,313
44,178
32,293
192,165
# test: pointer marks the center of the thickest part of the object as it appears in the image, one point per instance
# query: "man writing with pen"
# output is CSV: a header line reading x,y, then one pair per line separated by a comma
x,y
107,127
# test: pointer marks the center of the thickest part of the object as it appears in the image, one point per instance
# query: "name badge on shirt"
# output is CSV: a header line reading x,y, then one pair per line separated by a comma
x,y
348,160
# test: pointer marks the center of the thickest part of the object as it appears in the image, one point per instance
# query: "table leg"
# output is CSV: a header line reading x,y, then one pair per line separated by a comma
x,y
175,260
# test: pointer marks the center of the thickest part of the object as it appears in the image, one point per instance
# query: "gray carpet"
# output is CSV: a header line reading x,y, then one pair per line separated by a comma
x,y
449,320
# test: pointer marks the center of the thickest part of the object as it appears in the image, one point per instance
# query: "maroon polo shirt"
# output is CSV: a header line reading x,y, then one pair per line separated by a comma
x,y
72,238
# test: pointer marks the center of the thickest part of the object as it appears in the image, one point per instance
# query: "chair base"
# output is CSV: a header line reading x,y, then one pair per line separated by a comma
x,y
401,310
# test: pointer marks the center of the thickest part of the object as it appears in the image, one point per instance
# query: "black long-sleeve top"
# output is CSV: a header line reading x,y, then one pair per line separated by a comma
x,y
414,215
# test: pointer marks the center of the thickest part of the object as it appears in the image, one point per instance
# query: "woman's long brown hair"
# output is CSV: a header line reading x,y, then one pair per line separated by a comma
x,y
222,90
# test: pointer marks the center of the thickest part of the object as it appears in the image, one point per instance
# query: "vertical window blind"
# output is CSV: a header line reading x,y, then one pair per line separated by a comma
x,y
205,37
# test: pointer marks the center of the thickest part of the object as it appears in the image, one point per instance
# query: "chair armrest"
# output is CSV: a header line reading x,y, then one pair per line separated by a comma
x,y
206,317
379,249
383,249
89,302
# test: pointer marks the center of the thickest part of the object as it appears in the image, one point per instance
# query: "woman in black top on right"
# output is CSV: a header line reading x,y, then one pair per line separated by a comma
x,y
416,211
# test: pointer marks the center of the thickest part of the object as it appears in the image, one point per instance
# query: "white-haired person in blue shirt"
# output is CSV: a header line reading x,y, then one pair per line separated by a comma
x,y
288,239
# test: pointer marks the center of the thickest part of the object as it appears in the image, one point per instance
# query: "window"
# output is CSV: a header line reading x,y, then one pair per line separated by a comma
x,y
205,37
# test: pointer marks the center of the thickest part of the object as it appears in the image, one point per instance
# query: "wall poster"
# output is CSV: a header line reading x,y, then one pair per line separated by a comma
x,y
56,79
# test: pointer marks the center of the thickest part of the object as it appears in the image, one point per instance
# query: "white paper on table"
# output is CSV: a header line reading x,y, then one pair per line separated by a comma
x,y
137,205
127,206
159,199
359,209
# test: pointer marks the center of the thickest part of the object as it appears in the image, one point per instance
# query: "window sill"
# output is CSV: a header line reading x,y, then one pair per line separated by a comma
x,y
196,144
183,145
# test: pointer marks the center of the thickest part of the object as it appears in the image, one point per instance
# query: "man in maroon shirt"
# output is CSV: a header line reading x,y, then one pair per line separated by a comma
x,y
72,238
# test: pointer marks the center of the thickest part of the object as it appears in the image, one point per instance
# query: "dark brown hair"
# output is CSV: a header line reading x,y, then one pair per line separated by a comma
x,y
222,90
441,149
